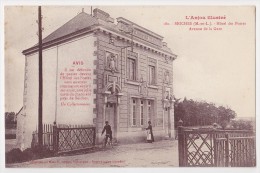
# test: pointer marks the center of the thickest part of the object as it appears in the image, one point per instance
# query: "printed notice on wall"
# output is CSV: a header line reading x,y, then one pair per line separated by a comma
x,y
76,85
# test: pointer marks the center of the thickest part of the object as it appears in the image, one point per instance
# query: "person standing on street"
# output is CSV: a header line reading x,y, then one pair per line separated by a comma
x,y
150,137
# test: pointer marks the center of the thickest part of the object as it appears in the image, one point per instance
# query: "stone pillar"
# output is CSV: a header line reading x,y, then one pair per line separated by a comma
x,y
171,114
169,122
104,107
163,115
117,113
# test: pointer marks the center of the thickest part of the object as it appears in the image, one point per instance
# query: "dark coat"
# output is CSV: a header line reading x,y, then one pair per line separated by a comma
x,y
151,131
108,130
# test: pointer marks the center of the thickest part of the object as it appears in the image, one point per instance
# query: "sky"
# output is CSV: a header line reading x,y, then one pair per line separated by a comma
x,y
216,66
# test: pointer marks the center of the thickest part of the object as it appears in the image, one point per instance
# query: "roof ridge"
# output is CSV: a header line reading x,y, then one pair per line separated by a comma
x,y
52,34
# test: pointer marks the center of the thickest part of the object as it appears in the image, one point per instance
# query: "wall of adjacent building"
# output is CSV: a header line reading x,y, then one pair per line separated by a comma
x,y
82,51
55,59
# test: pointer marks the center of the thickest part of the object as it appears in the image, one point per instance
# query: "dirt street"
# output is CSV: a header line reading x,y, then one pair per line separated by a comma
x,y
158,154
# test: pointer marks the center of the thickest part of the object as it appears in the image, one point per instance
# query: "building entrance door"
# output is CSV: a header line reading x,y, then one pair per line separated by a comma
x,y
110,116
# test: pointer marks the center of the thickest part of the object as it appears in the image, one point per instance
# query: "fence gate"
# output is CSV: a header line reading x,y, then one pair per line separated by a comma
x,y
208,147
66,138
71,139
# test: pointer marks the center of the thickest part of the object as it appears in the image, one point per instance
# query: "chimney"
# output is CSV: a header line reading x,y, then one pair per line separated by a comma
x,y
99,14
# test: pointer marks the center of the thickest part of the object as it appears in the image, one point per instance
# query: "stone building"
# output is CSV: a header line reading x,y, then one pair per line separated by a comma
x,y
129,79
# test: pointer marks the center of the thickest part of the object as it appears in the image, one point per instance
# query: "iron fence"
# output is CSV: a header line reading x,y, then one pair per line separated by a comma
x,y
209,147
65,138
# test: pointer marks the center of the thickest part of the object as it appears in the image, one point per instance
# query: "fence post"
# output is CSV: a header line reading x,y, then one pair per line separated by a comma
x,y
94,136
226,150
55,138
215,148
180,145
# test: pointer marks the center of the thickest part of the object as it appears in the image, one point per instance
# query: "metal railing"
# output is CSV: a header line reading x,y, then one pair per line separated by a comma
x,y
222,148
65,138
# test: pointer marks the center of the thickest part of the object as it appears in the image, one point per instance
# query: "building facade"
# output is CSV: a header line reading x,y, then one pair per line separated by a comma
x,y
97,70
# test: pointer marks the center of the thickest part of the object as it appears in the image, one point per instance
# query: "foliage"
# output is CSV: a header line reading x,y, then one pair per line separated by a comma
x,y
16,155
196,113
10,136
10,118
242,124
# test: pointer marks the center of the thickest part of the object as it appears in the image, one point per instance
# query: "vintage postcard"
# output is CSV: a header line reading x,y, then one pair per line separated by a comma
x,y
130,86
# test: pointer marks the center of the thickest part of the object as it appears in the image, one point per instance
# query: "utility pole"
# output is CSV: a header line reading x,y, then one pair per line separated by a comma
x,y
40,142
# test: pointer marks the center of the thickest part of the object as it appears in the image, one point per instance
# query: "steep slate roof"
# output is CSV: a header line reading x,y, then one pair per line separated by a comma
x,y
81,21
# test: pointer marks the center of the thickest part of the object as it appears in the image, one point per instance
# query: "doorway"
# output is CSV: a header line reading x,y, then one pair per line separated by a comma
x,y
110,116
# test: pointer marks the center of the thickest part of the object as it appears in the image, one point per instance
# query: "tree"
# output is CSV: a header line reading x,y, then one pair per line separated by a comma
x,y
242,124
196,113
10,118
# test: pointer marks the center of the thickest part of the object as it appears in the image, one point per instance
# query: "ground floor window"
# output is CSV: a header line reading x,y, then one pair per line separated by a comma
x,y
134,112
142,111
149,110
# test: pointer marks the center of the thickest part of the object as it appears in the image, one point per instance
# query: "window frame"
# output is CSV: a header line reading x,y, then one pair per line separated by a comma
x,y
152,62
133,56
131,72
149,110
142,118
133,113
152,74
